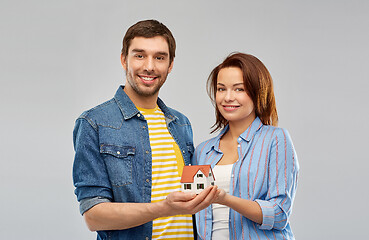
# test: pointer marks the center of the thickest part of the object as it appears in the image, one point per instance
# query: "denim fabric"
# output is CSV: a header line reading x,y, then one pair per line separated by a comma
x,y
113,156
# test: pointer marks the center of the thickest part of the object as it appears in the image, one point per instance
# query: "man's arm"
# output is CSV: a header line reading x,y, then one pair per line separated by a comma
x,y
118,216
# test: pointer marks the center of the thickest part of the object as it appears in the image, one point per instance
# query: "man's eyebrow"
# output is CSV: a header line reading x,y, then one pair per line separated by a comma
x,y
163,53
139,50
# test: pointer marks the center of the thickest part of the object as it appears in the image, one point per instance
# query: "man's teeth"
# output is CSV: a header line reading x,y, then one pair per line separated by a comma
x,y
148,78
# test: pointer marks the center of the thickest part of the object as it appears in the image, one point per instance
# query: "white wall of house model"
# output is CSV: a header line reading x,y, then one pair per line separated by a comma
x,y
198,179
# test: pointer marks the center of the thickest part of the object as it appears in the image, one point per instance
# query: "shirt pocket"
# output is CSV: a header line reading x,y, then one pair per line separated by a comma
x,y
118,160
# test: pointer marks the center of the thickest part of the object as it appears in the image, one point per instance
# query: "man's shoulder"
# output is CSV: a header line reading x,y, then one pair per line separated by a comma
x,y
172,113
105,114
179,117
177,113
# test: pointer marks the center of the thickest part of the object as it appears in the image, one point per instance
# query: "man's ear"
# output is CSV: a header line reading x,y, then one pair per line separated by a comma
x,y
170,66
123,61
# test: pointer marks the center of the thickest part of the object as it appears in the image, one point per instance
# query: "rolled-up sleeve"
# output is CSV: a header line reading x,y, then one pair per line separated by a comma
x,y
268,214
88,203
89,171
282,181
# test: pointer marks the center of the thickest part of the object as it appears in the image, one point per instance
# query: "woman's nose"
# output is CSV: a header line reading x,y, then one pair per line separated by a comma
x,y
229,96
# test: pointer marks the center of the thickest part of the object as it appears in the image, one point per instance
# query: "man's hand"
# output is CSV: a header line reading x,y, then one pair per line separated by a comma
x,y
118,216
189,203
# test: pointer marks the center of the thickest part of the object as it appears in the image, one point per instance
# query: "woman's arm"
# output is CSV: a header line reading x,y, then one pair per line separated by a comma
x,y
274,209
249,209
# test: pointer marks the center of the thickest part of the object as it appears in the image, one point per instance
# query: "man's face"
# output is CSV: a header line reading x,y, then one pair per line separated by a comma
x,y
147,65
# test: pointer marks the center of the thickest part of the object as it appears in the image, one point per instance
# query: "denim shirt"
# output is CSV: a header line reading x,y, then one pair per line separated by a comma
x,y
266,172
113,156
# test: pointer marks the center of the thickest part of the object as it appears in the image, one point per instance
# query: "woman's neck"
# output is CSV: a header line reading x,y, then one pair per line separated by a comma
x,y
236,128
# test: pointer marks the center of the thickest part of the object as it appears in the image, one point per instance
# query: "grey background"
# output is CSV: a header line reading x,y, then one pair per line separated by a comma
x,y
59,58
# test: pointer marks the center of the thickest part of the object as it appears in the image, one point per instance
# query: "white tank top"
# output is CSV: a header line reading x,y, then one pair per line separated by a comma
x,y
220,230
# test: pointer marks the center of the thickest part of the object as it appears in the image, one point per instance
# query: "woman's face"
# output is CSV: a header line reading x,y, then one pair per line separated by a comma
x,y
231,98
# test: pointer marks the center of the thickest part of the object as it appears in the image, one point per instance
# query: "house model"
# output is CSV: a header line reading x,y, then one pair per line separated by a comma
x,y
196,178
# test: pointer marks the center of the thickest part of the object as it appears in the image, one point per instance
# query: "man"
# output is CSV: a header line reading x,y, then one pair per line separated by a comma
x,y
130,150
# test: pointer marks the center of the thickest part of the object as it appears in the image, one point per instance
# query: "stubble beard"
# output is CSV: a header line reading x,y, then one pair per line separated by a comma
x,y
141,91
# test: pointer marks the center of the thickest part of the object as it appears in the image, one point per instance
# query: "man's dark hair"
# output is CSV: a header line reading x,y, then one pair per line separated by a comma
x,y
149,29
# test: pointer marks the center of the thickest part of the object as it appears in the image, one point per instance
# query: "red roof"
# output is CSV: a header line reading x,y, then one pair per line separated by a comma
x,y
190,171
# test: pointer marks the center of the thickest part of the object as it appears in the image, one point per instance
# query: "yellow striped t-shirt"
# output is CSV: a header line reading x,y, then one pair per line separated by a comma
x,y
167,166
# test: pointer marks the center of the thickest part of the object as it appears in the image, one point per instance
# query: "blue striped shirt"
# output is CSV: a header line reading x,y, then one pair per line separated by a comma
x,y
266,172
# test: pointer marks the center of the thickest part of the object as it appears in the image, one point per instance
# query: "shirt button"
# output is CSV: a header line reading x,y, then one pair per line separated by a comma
x,y
147,180
143,127
147,152
138,115
147,238
118,152
183,151
238,145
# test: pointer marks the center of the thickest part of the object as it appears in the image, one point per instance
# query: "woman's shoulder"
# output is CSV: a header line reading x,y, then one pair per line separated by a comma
x,y
275,131
207,144
277,134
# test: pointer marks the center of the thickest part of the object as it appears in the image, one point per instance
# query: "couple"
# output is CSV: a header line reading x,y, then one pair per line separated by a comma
x,y
130,152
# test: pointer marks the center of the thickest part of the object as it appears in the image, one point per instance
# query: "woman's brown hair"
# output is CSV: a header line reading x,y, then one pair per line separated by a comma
x,y
258,85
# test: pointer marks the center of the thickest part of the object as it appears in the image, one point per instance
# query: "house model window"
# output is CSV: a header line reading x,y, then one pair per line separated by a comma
x,y
197,178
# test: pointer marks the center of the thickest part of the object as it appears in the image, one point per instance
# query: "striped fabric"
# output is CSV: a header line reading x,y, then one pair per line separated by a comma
x,y
266,172
167,166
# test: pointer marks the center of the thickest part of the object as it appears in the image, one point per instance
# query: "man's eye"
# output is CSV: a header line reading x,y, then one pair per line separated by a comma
x,y
160,58
139,56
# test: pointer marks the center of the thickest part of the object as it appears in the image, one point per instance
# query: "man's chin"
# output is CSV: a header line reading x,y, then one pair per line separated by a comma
x,y
147,92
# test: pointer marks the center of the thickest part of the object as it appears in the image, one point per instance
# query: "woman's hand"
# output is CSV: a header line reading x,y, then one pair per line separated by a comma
x,y
221,197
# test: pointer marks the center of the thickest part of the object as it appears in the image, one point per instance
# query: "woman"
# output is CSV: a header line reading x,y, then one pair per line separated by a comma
x,y
253,161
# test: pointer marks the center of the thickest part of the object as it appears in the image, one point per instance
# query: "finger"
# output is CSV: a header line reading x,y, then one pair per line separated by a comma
x,y
199,198
212,195
209,198
181,196
218,193
205,192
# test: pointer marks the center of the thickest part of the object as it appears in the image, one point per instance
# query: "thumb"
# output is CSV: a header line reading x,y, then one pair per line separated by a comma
x,y
181,196
188,196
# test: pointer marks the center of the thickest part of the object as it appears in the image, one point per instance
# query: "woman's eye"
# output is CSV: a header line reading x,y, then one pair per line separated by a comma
x,y
220,89
240,90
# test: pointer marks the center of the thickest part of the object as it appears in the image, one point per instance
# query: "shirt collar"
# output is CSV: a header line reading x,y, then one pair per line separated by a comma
x,y
128,108
247,135
251,130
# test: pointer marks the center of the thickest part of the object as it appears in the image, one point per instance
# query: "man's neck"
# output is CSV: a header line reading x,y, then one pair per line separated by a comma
x,y
147,102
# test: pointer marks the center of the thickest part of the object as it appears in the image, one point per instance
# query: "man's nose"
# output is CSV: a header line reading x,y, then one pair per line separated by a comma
x,y
149,64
